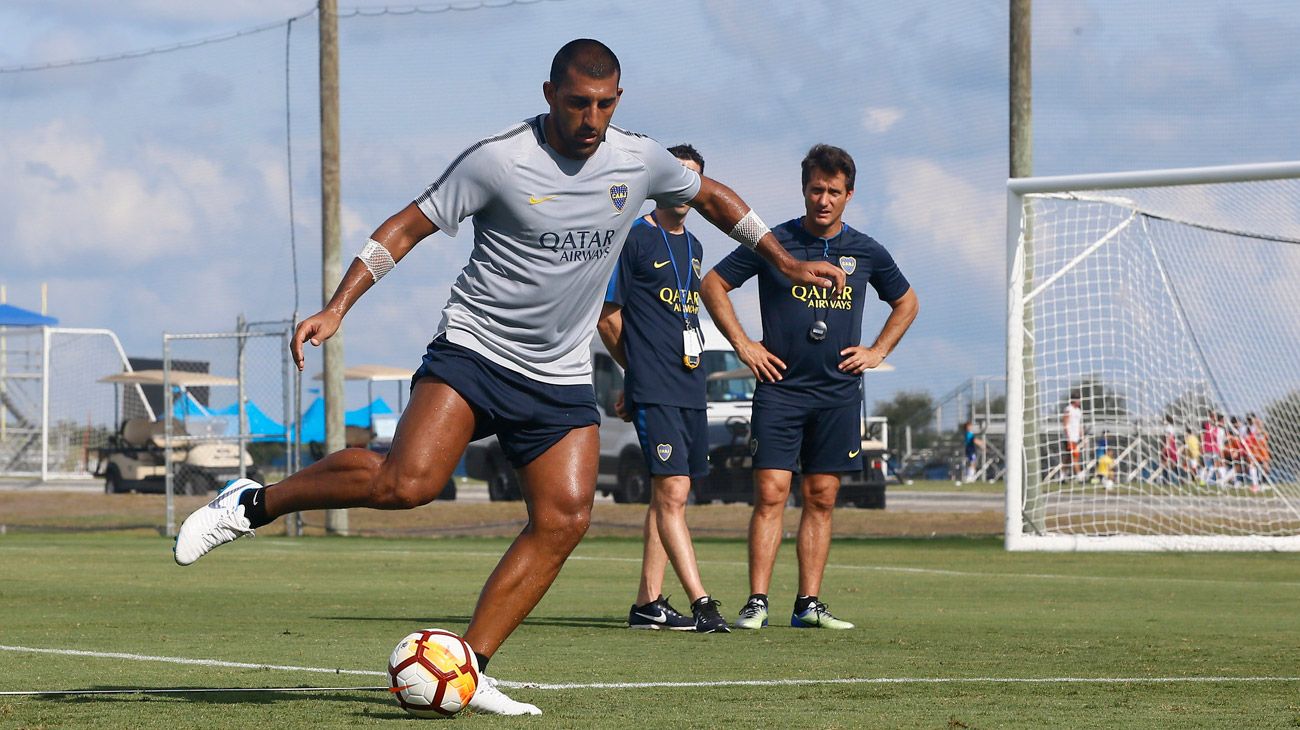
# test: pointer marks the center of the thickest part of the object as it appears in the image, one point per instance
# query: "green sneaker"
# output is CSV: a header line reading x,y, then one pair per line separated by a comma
x,y
753,615
817,616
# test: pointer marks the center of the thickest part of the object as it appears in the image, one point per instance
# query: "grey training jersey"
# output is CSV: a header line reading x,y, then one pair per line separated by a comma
x,y
547,232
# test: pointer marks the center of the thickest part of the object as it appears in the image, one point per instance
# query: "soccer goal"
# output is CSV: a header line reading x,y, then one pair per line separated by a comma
x,y
55,411
1153,360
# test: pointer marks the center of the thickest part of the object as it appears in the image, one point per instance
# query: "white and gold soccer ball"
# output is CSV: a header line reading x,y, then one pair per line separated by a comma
x,y
433,673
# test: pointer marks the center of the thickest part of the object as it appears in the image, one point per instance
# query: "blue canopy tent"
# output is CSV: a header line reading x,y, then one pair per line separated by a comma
x,y
11,316
313,419
186,406
262,426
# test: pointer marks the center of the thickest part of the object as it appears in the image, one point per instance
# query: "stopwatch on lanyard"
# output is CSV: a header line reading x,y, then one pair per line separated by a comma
x,y
692,337
817,332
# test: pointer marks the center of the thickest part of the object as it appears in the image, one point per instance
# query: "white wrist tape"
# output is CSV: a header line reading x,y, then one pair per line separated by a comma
x,y
749,229
377,259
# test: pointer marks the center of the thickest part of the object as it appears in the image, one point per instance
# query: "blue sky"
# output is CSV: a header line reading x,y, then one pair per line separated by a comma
x,y
152,194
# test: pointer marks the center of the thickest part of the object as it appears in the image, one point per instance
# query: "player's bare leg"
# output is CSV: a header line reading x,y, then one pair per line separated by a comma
x,y
559,487
668,505
652,610
771,490
814,543
430,437
653,561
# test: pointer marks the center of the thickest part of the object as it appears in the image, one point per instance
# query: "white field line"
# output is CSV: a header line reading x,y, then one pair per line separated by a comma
x,y
628,685
887,569
294,545
184,660
183,690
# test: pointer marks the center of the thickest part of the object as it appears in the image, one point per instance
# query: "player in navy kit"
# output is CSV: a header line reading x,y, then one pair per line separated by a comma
x,y
809,394
552,199
651,326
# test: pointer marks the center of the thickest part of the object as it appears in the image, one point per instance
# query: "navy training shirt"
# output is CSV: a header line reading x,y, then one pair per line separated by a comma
x,y
645,286
812,375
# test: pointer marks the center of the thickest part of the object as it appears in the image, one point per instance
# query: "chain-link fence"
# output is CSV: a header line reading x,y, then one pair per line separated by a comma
x,y
229,400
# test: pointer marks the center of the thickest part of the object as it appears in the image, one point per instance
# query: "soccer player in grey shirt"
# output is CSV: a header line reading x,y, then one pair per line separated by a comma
x,y
552,199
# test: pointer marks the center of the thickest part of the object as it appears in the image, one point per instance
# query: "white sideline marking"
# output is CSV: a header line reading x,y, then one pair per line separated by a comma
x,y
185,690
184,660
638,685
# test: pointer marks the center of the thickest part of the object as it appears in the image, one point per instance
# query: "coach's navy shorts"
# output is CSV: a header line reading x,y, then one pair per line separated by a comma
x,y
811,439
527,417
675,441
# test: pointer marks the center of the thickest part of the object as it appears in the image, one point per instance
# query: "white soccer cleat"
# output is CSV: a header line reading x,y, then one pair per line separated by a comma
x,y
492,701
218,523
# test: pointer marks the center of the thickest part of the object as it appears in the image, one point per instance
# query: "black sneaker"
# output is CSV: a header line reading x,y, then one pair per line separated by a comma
x,y
707,618
656,615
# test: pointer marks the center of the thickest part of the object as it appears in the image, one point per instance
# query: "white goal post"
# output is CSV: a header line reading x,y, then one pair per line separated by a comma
x,y
1153,360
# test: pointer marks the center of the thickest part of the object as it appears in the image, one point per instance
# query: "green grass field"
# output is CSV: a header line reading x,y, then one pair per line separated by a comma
x,y
952,633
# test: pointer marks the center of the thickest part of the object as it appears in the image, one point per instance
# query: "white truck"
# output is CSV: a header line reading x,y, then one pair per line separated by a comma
x,y
622,466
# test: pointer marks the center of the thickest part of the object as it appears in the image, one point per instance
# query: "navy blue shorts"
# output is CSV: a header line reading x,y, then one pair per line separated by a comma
x,y
528,417
811,439
675,441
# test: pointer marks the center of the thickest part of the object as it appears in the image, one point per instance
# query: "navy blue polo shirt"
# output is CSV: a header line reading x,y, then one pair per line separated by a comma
x,y
646,283
812,375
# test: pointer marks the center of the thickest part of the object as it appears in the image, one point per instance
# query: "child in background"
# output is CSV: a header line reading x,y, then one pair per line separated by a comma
x,y
1192,448
1105,468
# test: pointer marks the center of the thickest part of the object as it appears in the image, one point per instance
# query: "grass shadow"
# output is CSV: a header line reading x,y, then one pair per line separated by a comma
x,y
582,622
205,695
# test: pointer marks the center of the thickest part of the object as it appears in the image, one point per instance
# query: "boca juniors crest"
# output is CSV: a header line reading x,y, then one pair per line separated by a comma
x,y
695,266
618,196
849,264
665,451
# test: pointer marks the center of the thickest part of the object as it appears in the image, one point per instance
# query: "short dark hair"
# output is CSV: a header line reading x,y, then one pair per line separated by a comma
x,y
589,57
829,160
687,152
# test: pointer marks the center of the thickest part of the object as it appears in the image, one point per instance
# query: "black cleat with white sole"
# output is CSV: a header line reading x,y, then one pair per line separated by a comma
x,y
658,614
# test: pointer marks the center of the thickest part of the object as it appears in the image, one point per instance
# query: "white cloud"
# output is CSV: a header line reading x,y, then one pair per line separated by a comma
x,y
879,120
946,215
354,226
68,198
64,199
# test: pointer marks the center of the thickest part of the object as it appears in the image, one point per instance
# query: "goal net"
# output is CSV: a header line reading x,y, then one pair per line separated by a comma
x,y
1153,360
